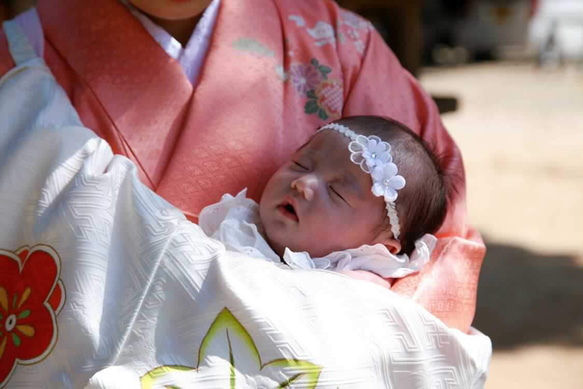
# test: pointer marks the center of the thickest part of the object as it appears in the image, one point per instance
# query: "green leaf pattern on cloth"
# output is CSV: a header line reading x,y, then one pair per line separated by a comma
x,y
226,332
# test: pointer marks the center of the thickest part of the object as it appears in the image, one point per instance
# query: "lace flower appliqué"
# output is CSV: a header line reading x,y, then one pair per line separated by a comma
x,y
386,181
369,152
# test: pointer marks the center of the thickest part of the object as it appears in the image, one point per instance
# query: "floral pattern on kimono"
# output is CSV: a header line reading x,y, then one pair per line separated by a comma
x,y
324,96
31,297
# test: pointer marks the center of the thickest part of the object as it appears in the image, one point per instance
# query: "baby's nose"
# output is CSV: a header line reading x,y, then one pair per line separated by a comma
x,y
306,186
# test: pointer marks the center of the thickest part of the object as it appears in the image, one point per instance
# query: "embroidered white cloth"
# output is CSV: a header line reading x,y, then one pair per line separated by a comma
x,y
108,285
235,221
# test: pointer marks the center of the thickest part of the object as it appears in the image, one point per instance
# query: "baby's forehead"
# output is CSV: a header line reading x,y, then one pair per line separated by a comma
x,y
327,142
331,150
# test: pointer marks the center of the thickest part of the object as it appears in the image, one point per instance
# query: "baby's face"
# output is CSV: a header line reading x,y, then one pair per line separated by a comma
x,y
320,201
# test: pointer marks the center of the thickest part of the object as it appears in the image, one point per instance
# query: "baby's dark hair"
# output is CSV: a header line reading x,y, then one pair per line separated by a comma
x,y
422,203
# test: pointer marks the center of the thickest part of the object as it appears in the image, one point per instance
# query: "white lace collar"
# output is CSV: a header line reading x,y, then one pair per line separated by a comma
x,y
235,222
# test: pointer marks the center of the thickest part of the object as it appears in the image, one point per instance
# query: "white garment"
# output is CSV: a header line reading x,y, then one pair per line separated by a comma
x,y
29,23
235,222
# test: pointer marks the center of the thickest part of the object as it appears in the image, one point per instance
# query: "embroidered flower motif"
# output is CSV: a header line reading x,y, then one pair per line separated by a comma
x,y
369,152
353,34
386,182
31,296
326,98
354,26
354,21
305,77
322,33
329,96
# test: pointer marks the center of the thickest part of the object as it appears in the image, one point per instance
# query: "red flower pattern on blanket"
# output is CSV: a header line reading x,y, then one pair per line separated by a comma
x,y
31,296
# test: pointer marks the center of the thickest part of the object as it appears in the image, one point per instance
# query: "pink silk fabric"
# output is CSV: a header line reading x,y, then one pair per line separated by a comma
x,y
275,71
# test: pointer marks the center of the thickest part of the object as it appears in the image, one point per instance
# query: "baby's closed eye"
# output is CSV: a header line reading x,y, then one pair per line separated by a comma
x,y
336,192
300,165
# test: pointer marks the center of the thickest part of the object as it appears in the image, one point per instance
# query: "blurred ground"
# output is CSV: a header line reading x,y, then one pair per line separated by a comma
x,y
520,130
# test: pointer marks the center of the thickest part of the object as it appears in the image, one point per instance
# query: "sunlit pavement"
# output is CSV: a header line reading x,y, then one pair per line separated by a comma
x,y
520,130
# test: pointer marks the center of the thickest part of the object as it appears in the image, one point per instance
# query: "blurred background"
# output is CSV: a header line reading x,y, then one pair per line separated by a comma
x,y
508,78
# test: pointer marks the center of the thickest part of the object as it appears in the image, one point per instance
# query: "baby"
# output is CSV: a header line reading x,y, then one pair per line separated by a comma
x,y
364,193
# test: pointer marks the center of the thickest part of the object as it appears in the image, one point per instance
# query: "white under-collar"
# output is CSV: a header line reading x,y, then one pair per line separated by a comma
x,y
192,56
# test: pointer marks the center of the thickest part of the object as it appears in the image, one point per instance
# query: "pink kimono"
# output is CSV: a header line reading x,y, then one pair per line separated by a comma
x,y
275,71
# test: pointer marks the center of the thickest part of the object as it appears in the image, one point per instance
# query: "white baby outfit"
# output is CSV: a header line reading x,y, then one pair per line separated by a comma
x,y
235,222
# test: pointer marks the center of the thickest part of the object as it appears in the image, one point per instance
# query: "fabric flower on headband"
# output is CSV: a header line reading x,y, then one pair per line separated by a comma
x,y
369,152
386,182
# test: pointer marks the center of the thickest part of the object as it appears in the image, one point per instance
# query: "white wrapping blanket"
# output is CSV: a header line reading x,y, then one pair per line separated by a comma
x,y
105,284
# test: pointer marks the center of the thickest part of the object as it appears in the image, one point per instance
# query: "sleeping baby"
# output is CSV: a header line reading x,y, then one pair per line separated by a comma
x,y
364,193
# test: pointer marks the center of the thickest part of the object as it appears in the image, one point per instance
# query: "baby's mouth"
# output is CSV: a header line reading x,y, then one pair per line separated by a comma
x,y
287,209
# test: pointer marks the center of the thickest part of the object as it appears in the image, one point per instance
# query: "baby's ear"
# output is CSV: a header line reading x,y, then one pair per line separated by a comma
x,y
385,237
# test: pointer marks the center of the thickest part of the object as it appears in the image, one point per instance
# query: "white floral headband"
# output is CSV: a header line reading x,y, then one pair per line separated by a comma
x,y
373,155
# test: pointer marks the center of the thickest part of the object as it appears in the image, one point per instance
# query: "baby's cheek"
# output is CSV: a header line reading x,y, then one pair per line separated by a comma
x,y
356,234
332,236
